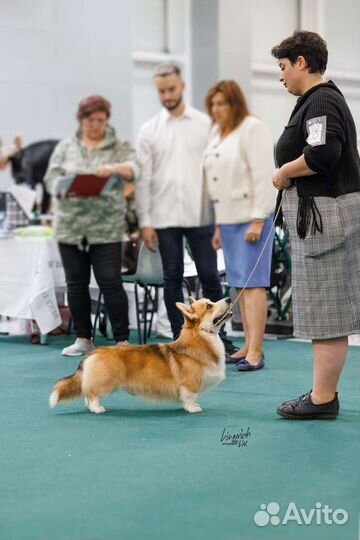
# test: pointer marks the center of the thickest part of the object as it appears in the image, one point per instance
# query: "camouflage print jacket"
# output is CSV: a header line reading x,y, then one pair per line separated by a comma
x,y
98,219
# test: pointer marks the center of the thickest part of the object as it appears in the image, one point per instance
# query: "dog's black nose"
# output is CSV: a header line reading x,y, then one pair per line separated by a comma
x,y
227,300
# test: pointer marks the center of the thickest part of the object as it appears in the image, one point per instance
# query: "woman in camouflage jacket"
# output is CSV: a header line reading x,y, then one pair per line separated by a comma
x,y
90,229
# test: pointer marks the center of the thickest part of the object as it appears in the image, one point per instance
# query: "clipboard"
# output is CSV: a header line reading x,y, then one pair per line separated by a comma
x,y
89,185
86,185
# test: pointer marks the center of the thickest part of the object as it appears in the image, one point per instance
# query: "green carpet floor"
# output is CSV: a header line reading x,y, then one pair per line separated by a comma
x,y
151,472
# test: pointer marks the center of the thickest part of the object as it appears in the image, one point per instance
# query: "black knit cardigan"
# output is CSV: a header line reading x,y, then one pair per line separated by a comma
x,y
330,151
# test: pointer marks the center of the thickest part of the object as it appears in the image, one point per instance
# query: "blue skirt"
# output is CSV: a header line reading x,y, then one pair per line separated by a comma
x,y
240,256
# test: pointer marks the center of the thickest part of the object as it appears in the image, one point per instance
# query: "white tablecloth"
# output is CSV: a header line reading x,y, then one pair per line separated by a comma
x,y
30,271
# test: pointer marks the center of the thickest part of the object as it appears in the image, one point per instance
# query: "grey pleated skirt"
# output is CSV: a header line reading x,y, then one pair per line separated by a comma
x,y
326,268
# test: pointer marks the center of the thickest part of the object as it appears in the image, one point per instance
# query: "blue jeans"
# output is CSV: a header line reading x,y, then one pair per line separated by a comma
x,y
172,255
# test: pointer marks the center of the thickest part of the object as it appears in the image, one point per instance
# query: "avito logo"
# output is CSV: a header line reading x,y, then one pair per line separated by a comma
x,y
320,515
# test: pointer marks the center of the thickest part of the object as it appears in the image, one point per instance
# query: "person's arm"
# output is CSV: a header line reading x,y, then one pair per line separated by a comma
x,y
323,128
5,156
55,169
125,165
143,183
143,192
293,169
123,170
4,161
260,161
216,238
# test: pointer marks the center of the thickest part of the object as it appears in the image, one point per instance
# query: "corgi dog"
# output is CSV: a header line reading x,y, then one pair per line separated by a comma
x,y
178,371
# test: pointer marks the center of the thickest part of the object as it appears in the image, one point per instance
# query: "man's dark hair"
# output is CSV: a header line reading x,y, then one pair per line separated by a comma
x,y
307,44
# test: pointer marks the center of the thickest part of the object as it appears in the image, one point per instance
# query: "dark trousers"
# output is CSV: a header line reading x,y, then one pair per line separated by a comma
x,y
172,254
106,262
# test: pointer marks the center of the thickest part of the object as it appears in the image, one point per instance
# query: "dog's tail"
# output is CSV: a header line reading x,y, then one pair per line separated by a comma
x,y
66,388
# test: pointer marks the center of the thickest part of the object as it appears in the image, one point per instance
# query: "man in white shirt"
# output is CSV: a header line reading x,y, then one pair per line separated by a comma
x,y
169,192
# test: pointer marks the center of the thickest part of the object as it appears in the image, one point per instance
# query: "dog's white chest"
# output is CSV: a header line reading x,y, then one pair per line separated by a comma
x,y
214,375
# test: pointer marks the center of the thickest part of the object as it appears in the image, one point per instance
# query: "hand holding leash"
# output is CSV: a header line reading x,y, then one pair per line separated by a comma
x,y
280,181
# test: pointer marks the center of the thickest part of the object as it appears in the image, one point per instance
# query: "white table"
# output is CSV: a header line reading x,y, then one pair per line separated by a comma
x,y
30,271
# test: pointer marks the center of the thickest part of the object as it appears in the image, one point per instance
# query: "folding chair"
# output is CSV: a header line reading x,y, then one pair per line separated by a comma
x,y
148,276
280,283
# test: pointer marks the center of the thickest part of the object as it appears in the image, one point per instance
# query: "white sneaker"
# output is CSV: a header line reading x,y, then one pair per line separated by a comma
x,y
80,347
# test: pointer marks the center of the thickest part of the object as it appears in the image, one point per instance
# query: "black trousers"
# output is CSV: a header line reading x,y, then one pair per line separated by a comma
x,y
106,262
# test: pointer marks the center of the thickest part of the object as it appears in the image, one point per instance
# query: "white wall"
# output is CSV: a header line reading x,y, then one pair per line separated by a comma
x,y
273,21
159,31
340,22
270,23
234,45
55,52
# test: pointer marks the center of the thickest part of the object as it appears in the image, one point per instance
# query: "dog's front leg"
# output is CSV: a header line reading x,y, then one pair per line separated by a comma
x,y
188,399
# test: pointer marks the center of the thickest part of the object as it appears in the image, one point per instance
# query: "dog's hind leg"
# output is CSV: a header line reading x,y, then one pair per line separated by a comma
x,y
94,405
188,399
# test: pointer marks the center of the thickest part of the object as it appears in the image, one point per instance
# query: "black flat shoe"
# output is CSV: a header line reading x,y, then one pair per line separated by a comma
x,y
244,365
302,408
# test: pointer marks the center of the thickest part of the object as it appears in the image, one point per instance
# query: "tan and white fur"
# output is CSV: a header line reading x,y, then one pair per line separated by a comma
x,y
178,371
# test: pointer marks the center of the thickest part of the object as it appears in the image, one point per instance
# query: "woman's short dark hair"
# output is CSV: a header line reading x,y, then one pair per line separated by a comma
x,y
234,97
307,44
91,104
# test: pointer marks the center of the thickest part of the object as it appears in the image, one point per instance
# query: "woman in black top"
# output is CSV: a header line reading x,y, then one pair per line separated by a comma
x,y
319,185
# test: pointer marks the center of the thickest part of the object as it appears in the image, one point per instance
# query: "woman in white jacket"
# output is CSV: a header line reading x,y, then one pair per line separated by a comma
x,y
238,165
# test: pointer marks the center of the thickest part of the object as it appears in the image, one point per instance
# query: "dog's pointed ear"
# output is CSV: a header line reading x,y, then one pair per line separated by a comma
x,y
191,300
187,312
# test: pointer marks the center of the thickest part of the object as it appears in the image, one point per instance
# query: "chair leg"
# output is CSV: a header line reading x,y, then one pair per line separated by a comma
x,y
187,286
137,308
145,309
97,315
153,309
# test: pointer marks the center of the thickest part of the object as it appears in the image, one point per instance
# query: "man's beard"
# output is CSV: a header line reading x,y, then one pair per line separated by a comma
x,y
174,106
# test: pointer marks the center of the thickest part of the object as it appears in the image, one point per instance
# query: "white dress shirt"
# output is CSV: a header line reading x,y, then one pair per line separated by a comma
x,y
170,149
